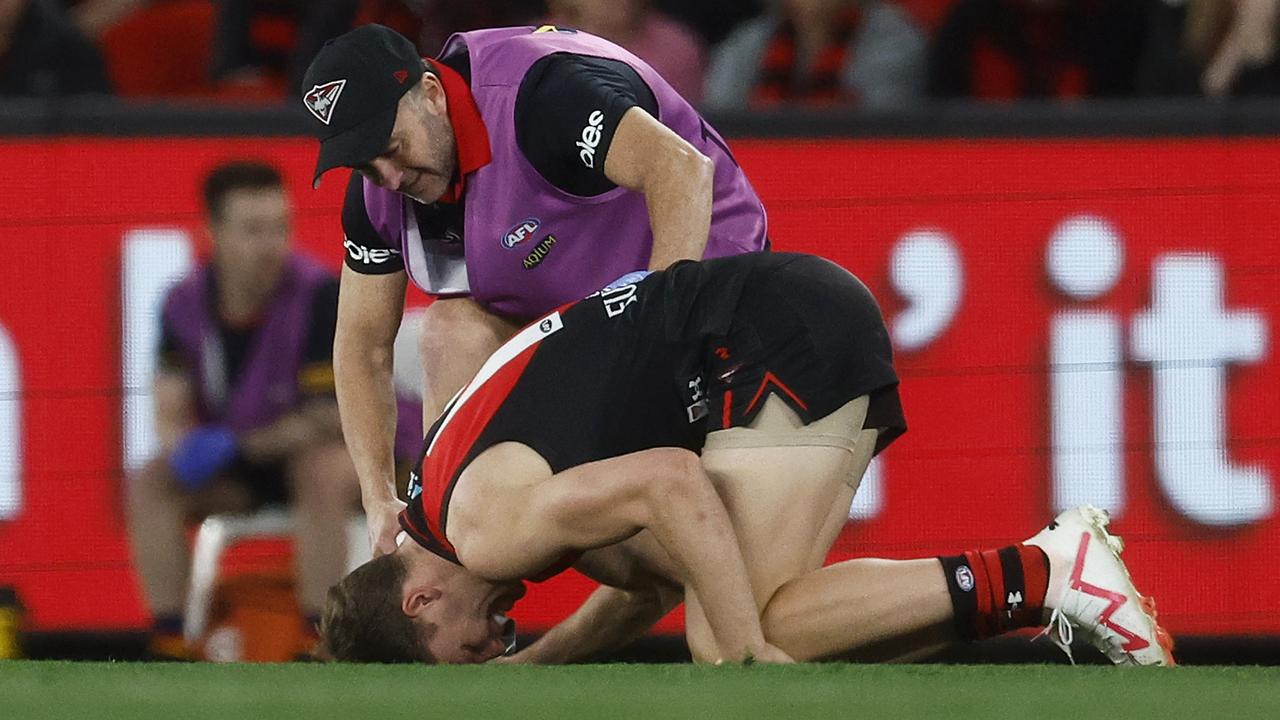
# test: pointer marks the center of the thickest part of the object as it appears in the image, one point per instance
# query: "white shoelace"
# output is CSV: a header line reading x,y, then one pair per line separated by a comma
x,y
1060,632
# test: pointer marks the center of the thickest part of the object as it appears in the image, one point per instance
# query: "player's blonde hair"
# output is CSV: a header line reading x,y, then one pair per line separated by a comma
x,y
364,622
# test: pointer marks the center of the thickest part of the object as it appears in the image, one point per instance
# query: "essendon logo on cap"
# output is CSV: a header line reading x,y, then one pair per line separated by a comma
x,y
323,99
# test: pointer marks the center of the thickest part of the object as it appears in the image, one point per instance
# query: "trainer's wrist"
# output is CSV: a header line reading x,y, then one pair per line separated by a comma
x,y
378,499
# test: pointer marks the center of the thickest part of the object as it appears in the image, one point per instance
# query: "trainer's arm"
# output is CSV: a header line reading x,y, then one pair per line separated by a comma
x,y
611,618
506,527
369,313
675,179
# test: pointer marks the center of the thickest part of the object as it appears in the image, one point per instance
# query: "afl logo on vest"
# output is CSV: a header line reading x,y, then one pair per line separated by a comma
x,y
522,231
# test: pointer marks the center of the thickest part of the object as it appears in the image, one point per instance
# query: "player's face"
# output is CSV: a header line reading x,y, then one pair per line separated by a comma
x,y
421,155
251,234
470,629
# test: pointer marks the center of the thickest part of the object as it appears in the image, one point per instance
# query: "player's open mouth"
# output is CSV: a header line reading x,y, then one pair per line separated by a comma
x,y
505,598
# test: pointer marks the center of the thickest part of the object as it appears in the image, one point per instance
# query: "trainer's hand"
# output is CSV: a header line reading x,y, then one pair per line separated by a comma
x,y
384,525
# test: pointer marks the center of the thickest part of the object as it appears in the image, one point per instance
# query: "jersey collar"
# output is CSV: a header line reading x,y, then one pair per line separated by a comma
x,y
468,129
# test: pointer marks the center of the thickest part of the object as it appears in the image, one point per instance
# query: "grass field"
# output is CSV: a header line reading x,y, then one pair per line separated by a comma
x,y
107,691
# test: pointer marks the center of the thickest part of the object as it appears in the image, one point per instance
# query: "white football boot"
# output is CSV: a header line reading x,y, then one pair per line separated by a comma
x,y
1090,592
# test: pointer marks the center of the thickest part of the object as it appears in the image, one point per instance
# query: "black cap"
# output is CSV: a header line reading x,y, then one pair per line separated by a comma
x,y
352,89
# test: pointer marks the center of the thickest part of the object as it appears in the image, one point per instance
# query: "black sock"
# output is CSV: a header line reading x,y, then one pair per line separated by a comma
x,y
167,625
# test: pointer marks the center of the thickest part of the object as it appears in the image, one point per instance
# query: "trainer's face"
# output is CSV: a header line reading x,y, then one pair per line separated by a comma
x,y
422,154
251,235
470,622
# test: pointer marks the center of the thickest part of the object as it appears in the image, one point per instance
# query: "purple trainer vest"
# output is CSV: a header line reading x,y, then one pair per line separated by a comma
x,y
530,246
268,384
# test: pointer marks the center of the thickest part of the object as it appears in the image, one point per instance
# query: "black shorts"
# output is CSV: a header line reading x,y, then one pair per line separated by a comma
x,y
810,333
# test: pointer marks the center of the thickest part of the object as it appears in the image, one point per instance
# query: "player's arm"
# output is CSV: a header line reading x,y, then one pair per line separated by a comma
x,y
504,526
369,313
675,179
611,618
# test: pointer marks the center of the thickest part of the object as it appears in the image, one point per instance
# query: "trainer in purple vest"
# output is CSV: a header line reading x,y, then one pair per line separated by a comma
x,y
515,219
267,387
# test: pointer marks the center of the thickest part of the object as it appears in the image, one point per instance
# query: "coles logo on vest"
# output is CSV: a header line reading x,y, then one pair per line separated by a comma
x,y
590,139
520,232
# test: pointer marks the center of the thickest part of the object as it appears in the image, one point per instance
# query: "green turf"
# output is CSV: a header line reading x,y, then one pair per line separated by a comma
x,y
106,691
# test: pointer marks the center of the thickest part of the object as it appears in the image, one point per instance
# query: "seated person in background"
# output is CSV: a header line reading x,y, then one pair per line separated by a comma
x,y
43,54
94,17
672,49
712,20
1214,47
442,18
578,444
819,53
245,411
1017,49
928,14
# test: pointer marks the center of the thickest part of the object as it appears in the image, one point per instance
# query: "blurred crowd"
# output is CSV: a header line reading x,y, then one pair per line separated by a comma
x,y
721,54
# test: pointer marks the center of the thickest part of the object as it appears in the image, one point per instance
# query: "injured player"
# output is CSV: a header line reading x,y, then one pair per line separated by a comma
x,y
698,436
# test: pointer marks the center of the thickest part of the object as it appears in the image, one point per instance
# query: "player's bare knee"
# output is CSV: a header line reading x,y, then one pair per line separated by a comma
x,y
772,624
776,620
448,325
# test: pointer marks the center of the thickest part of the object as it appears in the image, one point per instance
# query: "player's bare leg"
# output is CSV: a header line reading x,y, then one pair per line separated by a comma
x,y
788,504
325,494
878,609
457,337
781,499
814,612
881,609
